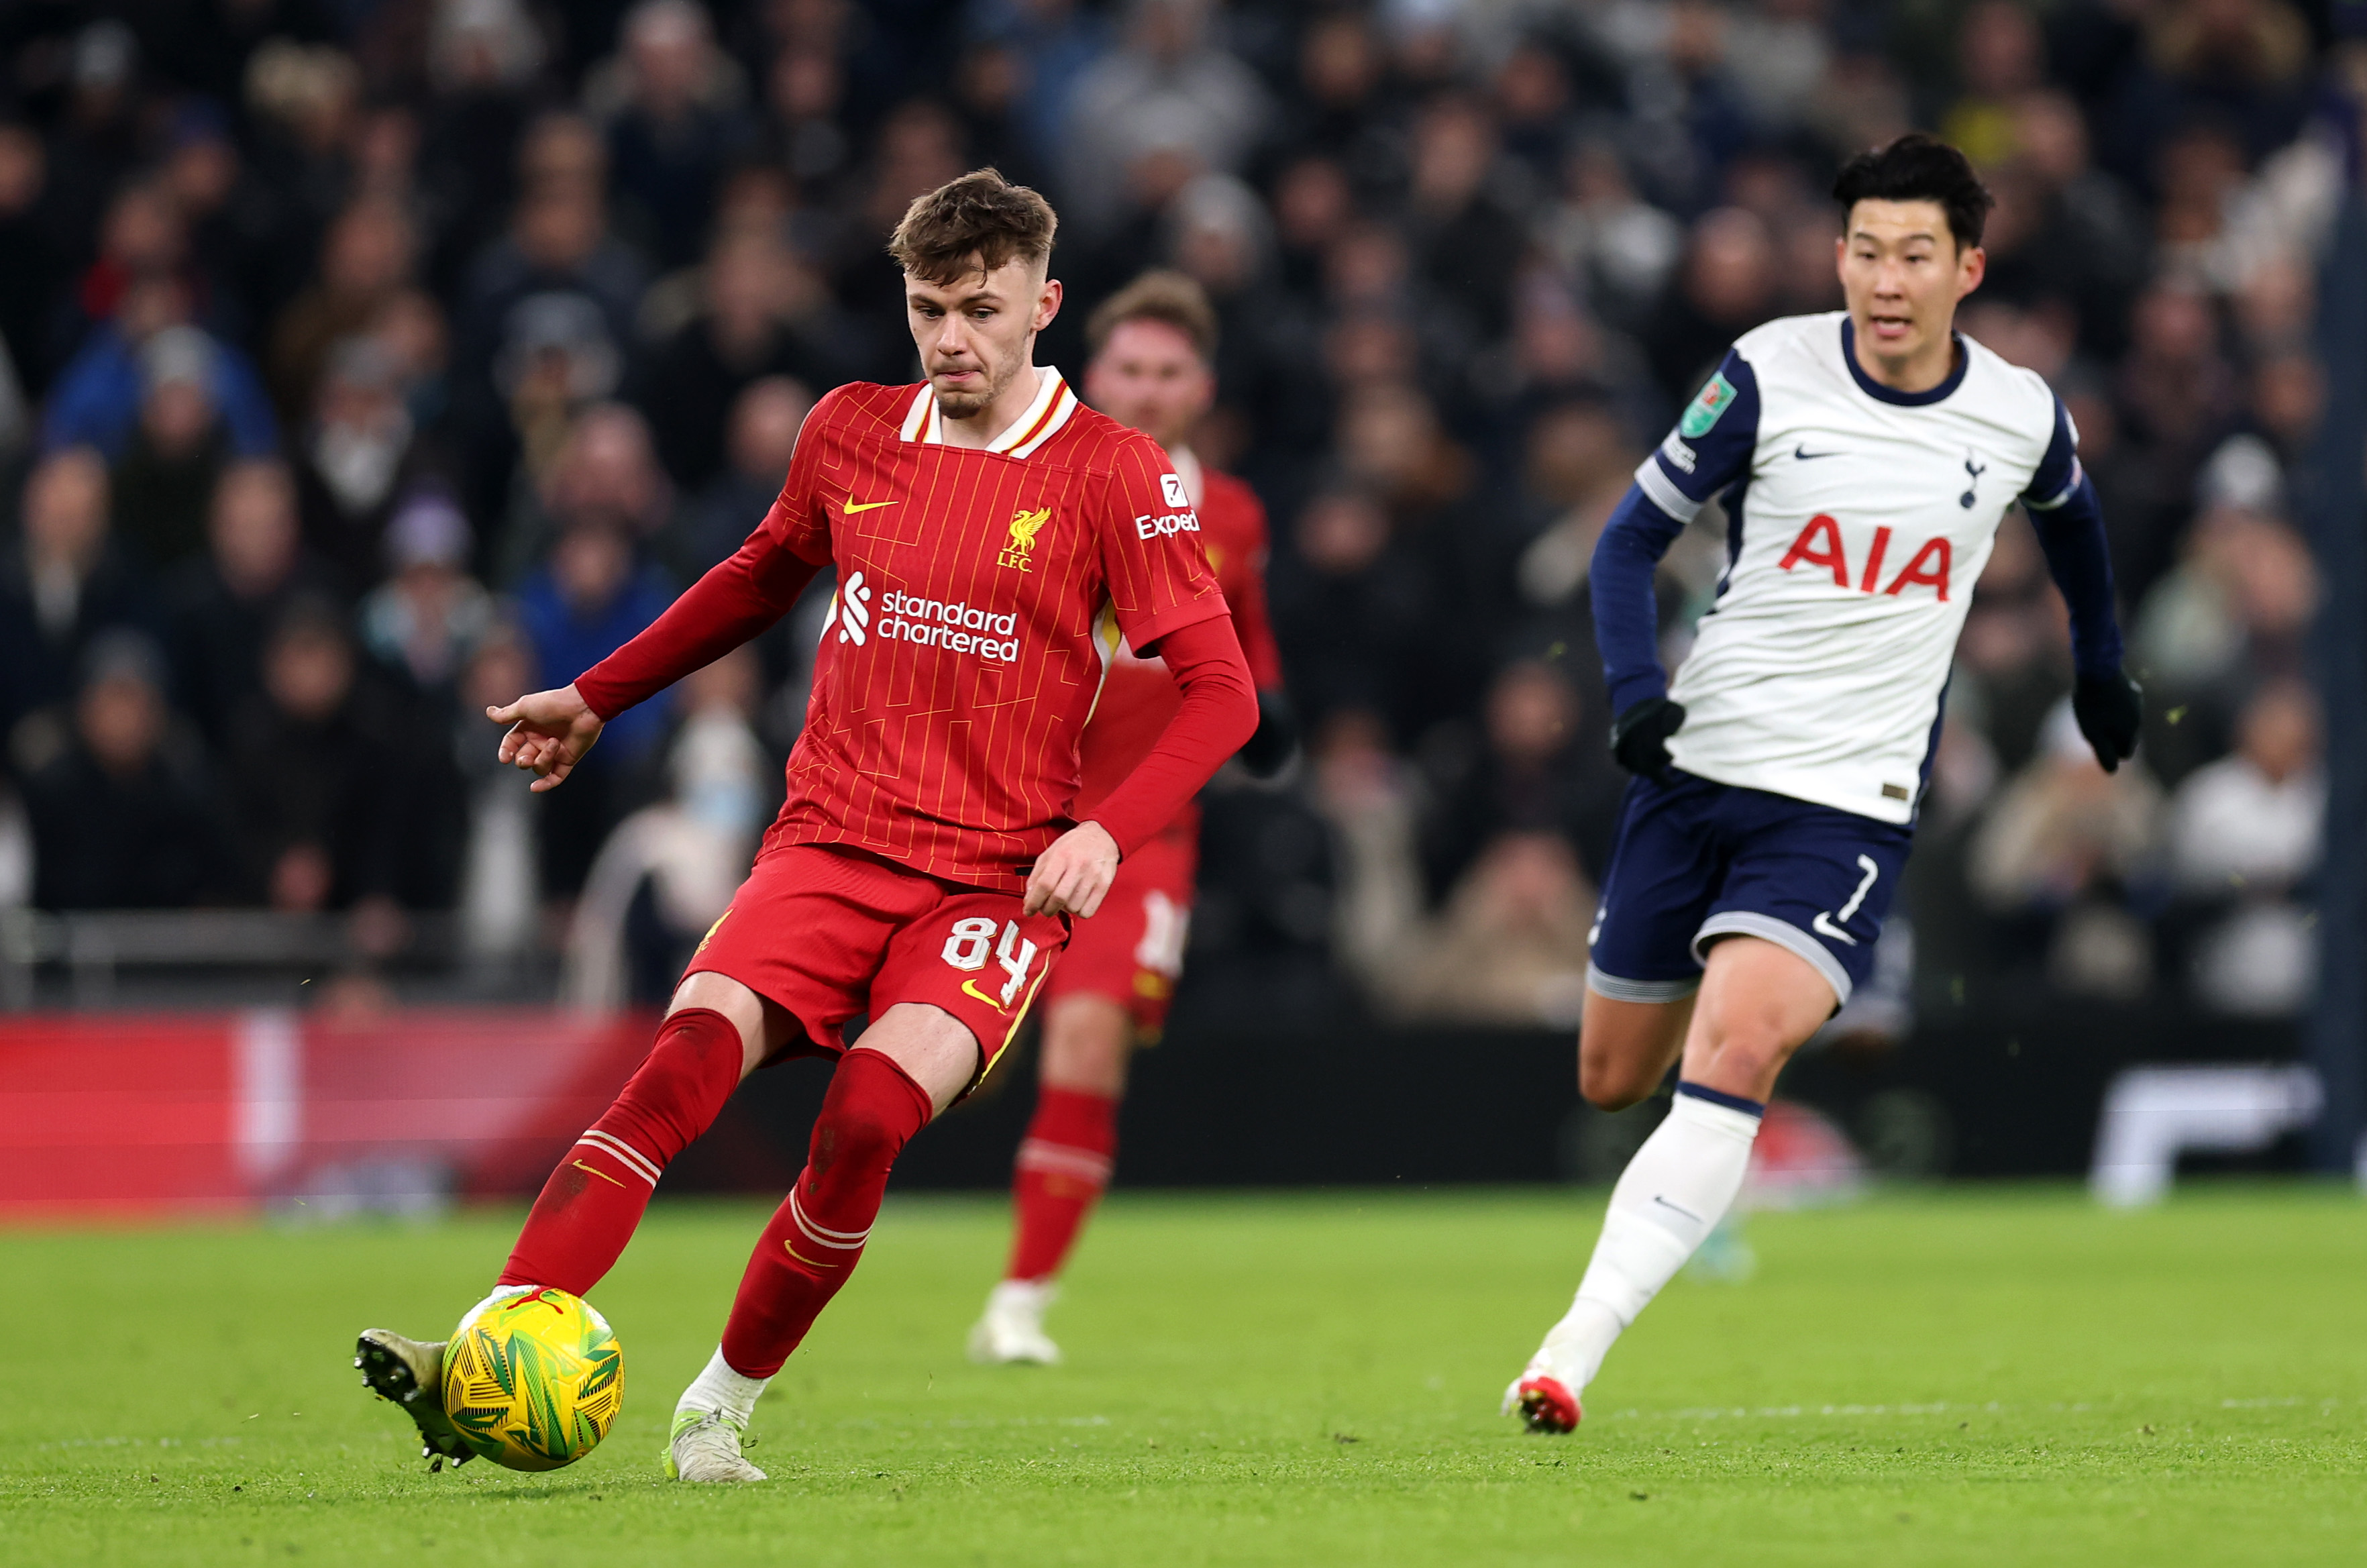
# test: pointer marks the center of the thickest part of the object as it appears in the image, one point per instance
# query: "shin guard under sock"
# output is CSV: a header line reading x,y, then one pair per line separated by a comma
x,y
593,1201
1063,1169
816,1236
1671,1195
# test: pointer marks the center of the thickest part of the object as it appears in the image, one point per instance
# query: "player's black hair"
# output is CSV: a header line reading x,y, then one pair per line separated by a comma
x,y
1917,167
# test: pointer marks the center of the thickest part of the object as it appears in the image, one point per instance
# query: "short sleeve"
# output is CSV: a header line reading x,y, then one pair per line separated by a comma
x,y
1152,556
1711,446
799,520
2057,474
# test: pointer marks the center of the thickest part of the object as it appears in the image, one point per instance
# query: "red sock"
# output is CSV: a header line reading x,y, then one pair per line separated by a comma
x,y
816,1236
1064,1166
592,1202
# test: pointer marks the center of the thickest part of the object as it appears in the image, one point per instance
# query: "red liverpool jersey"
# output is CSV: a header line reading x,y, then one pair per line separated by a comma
x,y
1141,696
981,595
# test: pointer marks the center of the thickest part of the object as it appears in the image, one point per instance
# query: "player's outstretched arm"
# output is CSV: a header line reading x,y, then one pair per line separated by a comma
x,y
548,734
731,603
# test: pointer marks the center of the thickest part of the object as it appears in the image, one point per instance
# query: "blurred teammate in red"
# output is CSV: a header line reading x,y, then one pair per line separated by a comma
x,y
994,542
1152,346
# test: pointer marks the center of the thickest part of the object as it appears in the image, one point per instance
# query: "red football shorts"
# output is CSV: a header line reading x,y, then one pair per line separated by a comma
x,y
1132,950
827,934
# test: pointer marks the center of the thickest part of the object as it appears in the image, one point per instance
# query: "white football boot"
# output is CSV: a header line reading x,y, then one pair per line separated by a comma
x,y
411,1373
705,1446
1012,1327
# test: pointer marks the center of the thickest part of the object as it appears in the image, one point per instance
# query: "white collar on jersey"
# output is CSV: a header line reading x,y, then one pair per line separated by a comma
x,y
924,423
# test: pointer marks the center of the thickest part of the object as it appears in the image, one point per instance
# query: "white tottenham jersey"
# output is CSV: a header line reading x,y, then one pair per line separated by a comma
x,y
1859,519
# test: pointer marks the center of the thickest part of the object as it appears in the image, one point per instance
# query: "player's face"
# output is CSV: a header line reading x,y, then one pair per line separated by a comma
x,y
977,332
1149,375
1902,273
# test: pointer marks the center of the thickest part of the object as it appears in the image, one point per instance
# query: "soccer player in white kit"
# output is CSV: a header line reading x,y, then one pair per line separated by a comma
x,y
1866,458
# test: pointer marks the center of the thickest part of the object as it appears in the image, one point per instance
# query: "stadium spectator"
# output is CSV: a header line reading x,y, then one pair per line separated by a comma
x,y
124,816
762,316
221,608
2064,847
1169,93
362,451
680,122
366,261
316,774
69,580
164,476
763,436
424,622
2245,832
1535,772
102,393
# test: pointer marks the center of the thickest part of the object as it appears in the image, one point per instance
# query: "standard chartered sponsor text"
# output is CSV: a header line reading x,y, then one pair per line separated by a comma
x,y
955,626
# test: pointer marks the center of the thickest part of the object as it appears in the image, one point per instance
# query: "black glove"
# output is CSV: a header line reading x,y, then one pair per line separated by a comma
x,y
2110,710
1265,752
1639,736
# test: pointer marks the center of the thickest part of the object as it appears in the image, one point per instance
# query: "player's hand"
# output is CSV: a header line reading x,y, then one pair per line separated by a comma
x,y
2111,710
1071,876
548,734
1639,736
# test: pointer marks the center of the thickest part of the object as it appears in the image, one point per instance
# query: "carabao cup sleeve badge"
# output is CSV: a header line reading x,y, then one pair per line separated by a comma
x,y
1705,410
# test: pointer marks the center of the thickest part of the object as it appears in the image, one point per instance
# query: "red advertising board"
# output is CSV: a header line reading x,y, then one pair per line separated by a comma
x,y
141,1114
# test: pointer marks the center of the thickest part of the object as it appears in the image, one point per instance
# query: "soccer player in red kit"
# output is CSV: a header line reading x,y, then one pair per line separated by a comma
x,y
994,541
1152,344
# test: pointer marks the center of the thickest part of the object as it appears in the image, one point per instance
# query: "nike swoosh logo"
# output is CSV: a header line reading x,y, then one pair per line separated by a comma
x,y
969,988
603,1175
852,507
1678,1207
1800,452
1824,926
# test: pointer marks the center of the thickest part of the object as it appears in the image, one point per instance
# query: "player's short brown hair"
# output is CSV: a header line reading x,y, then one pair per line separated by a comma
x,y
1162,295
972,225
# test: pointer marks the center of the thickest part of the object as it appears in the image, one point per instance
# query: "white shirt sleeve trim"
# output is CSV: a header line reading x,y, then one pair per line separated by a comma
x,y
1663,493
2060,496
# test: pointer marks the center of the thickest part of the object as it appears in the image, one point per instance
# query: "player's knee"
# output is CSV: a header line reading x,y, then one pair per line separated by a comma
x,y
1751,1047
1609,1084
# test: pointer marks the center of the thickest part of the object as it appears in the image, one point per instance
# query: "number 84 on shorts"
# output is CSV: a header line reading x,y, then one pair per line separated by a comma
x,y
974,938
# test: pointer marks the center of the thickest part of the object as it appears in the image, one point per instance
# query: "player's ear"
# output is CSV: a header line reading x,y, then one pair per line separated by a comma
x,y
1971,266
1047,304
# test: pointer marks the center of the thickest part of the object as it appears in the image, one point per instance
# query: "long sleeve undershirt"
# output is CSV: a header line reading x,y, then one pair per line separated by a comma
x,y
2071,532
734,602
1627,612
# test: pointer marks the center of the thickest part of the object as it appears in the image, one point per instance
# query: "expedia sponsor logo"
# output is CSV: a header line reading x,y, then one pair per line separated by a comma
x,y
861,613
1148,527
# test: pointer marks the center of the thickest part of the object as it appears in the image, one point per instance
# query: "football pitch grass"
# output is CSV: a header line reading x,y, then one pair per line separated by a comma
x,y
1961,1376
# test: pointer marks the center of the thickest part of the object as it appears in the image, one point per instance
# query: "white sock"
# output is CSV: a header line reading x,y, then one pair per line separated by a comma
x,y
1670,1196
720,1389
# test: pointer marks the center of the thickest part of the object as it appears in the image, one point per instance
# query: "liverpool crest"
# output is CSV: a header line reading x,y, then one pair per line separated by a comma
x,y
1020,547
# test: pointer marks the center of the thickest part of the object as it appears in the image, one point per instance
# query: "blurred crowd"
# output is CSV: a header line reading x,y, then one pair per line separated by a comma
x,y
368,362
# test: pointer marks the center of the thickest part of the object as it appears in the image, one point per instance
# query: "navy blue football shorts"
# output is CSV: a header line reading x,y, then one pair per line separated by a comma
x,y
1696,861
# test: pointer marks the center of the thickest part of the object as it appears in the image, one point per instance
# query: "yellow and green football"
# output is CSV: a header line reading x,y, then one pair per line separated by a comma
x,y
534,1381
